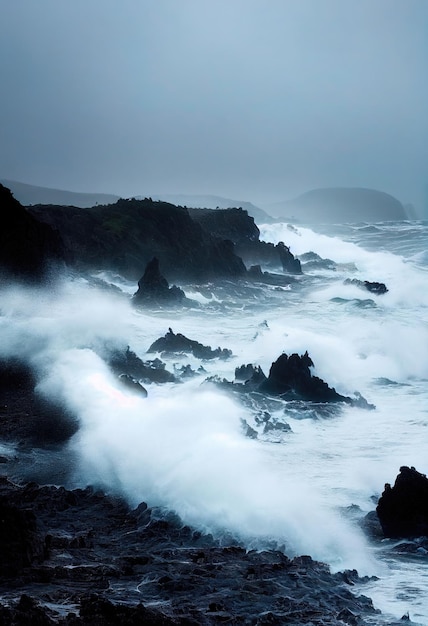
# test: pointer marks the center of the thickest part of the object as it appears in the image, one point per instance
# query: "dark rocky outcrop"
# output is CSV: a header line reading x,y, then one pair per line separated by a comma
x,y
240,228
403,509
173,343
154,288
125,236
290,378
127,363
233,224
27,416
252,376
374,287
291,375
312,260
88,560
27,246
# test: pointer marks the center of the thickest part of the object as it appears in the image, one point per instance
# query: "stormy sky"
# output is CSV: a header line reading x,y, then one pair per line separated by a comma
x,y
250,99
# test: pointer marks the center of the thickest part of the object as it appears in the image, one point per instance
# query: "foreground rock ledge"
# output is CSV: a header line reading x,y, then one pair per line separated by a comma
x,y
81,557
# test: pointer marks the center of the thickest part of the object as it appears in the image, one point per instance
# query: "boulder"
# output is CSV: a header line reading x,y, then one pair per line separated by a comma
x,y
173,343
403,509
374,287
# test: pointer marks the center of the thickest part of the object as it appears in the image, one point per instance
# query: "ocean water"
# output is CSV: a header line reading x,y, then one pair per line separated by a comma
x,y
184,446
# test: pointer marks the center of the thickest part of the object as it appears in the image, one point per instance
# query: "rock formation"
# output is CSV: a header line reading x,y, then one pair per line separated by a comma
x,y
374,287
173,343
125,236
27,246
403,509
154,288
81,558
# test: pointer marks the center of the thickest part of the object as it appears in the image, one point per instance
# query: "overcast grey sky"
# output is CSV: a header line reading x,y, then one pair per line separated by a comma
x,y
251,99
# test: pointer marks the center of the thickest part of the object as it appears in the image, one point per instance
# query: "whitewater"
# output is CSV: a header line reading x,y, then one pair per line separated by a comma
x,y
184,447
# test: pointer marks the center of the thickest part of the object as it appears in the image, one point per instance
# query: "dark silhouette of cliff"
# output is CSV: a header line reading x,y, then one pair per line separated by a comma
x,y
126,235
240,228
27,246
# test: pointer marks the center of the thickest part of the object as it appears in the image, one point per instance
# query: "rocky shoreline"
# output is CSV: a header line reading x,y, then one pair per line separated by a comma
x,y
82,557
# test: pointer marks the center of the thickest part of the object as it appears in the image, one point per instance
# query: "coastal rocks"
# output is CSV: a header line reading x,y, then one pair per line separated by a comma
x,y
125,363
234,224
313,261
133,385
173,343
290,264
291,375
289,378
374,287
27,246
154,288
102,563
403,509
25,415
269,255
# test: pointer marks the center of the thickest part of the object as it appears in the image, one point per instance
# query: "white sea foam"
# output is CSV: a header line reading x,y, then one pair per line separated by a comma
x,y
183,446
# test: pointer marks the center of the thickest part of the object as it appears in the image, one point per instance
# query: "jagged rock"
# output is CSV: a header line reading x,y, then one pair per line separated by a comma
x,y
27,246
128,363
236,225
374,287
173,343
153,287
251,375
132,384
291,375
403,509
289,263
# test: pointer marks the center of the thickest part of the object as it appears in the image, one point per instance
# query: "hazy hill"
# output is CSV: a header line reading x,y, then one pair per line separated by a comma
x,y
341,204
32,194
215,202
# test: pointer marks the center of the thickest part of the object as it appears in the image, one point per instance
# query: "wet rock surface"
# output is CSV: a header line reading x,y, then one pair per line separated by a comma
x,y
85,558
154,288
26,417
403,508
176,343
372,286
290,378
